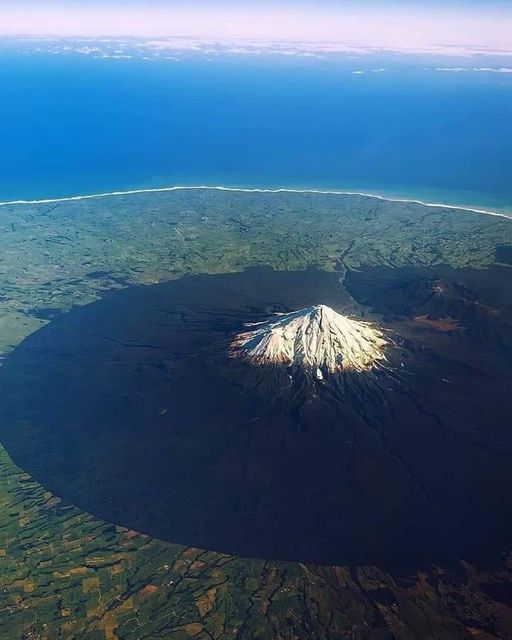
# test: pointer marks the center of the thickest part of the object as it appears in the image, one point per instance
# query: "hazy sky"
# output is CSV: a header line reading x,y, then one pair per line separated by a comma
x,y
406,23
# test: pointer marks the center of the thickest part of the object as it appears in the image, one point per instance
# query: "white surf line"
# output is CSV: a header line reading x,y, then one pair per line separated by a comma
x,y
130,192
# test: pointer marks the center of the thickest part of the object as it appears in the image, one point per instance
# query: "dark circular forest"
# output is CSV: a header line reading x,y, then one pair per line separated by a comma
x,y
132,409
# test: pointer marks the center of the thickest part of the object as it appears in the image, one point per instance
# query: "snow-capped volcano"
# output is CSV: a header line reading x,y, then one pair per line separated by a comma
x,y
315,338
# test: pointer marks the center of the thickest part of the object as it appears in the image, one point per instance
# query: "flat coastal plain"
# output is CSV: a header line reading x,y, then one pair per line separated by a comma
x,y
65,573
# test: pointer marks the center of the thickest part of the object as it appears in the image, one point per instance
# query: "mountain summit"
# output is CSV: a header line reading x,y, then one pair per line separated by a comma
x,y
315,338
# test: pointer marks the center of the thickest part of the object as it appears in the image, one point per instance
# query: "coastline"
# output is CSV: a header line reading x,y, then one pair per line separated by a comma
x,y
110,194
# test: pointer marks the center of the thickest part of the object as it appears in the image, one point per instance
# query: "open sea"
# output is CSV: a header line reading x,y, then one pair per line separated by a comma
x,y
80,125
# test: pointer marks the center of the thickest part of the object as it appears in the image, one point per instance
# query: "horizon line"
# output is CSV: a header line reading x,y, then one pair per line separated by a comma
x,y
389,25
262,190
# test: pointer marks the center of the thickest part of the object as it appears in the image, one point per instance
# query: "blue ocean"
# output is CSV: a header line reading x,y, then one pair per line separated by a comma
x,y
79,125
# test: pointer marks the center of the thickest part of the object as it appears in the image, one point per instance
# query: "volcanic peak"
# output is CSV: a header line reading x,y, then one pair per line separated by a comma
x,y
316,338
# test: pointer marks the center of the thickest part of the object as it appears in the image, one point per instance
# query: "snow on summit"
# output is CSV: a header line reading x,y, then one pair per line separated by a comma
x,y
315,338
